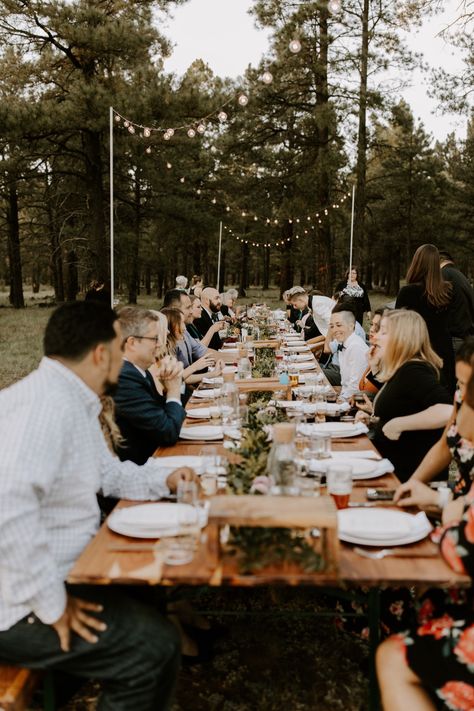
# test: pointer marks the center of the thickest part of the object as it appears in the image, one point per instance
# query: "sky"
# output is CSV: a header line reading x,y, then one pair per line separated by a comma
x,y
223,34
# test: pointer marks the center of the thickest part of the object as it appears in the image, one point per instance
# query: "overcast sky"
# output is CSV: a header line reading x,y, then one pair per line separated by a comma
x,y
222,34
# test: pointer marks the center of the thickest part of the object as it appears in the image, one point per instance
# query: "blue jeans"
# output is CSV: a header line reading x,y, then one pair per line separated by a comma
x,y
136,658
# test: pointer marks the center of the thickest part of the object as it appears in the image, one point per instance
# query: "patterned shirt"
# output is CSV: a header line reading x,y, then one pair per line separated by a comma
x,y
54,460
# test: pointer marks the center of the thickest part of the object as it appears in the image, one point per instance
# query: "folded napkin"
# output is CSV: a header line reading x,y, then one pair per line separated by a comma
x,y
334,429
382,524
197,432
213,381
208,394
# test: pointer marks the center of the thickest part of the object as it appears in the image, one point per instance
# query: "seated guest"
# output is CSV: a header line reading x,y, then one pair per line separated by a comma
x,y
55,463
369,383
210,315
147,419
331,367
181,283
412,407
352,351
429,666
190,349
195,288
228,300
176,346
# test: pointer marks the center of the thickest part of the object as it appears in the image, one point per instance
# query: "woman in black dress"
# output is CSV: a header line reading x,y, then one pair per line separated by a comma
x,y
351,288
427,293
431,665
412,408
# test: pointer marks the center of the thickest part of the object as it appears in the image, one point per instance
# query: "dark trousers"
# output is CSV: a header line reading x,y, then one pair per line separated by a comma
x,y
136,658
332,373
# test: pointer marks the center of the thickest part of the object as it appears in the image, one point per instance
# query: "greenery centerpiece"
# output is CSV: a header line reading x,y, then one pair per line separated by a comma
x,y
260,547
264,363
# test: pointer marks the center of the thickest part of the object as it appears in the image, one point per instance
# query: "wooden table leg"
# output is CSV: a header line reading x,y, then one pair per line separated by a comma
x,y
374,639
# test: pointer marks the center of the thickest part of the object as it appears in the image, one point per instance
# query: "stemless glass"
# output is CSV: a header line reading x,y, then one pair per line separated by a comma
x,y
339,484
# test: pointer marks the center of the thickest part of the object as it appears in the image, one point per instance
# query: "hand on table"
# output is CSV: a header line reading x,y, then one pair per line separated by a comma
x,y
362,416
181,474
414,493
365,406
76,618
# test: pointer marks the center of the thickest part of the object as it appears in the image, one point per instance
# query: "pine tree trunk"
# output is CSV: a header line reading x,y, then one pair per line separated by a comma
x,y
14,253
286,262
244,266
98,247
72,282
266,268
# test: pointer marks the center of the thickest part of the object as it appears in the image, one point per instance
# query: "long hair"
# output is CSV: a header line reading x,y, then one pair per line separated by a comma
x,y
408,339
175,320
162,329
425,269
110,429
469,396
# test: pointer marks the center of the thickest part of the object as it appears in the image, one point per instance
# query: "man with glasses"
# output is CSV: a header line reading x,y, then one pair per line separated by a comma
x,y
147,419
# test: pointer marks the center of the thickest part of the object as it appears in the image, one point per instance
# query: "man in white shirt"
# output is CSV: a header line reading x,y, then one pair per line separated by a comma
x,y
352,352
320,306
54,460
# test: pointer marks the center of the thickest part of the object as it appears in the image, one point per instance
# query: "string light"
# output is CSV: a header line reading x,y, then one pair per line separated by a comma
x,y
191,132
201,128
243,100
334,6
222,116
267,77
295,46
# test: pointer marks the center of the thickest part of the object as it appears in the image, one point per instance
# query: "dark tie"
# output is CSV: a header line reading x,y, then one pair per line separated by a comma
x,y
215,317
340,346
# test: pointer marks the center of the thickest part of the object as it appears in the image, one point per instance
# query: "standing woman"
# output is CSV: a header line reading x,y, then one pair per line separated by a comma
x,y
427,293
352,289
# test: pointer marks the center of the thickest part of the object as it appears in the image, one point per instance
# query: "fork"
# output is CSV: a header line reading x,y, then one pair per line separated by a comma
x,y
396,552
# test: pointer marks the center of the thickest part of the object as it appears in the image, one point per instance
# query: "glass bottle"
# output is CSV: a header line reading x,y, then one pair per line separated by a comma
x,y
282,460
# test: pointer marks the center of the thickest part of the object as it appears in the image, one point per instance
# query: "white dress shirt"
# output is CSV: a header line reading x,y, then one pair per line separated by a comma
x,y
321,307
353,364
54,460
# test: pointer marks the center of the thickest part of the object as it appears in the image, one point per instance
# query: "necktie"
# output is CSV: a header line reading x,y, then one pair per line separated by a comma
x,y
215,317
340,347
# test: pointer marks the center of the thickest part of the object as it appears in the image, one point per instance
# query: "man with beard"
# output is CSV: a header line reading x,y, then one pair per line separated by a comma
x,y
211,313
54,461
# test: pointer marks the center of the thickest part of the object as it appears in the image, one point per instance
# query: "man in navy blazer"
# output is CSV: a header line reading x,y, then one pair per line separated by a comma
x,y
146,418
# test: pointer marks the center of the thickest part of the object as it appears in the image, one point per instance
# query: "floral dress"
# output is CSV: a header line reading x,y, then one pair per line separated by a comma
x,y
440,647
462,451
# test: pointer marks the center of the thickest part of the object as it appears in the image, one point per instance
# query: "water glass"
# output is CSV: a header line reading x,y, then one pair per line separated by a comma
x,y
320,446
209,458
339,484
187,492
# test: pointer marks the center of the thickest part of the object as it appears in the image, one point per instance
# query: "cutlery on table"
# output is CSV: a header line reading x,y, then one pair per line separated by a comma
x,y
395,552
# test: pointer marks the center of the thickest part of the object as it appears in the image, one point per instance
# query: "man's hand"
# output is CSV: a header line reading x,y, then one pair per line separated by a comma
x,y
217,371
76,619
170,368
218,326
393,428
414,493
181,474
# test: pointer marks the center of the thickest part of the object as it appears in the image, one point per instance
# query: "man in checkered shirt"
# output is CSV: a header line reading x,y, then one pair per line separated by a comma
x,y
54,460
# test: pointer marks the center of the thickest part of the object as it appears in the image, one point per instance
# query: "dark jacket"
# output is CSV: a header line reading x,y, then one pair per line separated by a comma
x,y
145,419
461,308
203,324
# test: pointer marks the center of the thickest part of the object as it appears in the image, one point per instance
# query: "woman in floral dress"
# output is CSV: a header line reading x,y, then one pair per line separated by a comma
x,y
431,666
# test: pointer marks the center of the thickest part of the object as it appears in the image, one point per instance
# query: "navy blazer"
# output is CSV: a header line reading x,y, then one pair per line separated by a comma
x,y
203,324
145,419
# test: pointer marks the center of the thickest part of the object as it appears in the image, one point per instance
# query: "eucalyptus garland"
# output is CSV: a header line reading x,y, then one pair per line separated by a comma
x,y
264,364
259,547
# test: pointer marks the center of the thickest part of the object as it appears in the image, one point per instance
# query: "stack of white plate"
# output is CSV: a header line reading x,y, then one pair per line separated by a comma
x,y
198,432
335,429
381,527
361,468
207,394
154,520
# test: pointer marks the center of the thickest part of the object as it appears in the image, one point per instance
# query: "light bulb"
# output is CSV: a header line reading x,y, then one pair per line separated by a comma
x,y
243,100
213,201
181,180
334,6
267,77
148,150
201,128
198,191
295,46
117,118
227,208
222,116
168,165
146,132
166,136
131,129
126,124
170,132
191,132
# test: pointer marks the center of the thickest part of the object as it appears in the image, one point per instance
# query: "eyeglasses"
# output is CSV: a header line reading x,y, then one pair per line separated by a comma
x,y
149,338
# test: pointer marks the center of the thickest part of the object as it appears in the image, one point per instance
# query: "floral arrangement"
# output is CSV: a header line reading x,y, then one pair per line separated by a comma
x,y
259,547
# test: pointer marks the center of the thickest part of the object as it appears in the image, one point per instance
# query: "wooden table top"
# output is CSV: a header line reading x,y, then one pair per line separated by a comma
x,y
99,564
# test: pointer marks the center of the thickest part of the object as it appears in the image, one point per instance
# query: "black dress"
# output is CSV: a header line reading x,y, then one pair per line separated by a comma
x,y
412,297
413,388
358,295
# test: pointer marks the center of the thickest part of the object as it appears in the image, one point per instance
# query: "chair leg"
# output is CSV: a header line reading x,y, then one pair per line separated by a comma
x,y
49,702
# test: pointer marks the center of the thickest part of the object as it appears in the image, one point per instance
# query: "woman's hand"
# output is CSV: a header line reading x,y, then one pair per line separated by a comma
x,y
217,371
452,512
373,357
365,406
393,428
206,361
414,493
362,416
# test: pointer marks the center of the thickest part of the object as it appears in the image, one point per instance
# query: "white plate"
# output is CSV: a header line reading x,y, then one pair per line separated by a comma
x,y
210,432
295,349
361,469
381,527
303,356
336,429
209,394
199,413
308,365
158,520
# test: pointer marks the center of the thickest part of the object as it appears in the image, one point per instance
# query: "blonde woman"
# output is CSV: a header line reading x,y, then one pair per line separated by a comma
x,y
412,408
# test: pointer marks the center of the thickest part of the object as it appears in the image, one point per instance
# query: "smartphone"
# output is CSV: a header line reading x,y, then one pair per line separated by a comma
x,y
359,397
380,494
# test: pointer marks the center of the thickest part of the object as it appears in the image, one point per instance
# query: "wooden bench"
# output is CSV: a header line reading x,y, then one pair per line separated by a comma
x,y
17,686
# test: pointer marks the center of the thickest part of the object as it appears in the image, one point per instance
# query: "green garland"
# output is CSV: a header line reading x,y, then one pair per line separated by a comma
x,y
260,547
264,366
